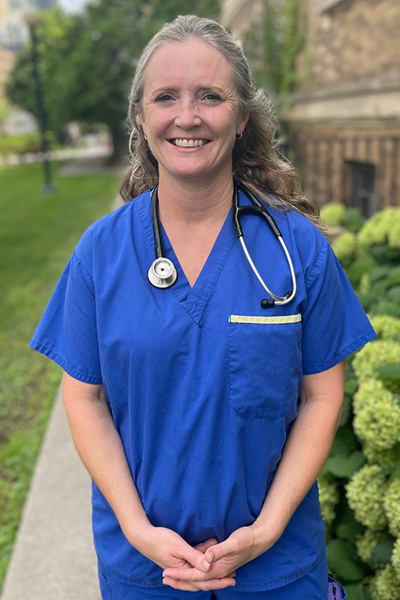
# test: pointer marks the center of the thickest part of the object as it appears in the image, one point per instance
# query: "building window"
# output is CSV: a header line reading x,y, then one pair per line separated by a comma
x,y
361,177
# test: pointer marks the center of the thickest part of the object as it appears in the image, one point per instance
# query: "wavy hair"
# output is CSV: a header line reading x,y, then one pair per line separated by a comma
x,y
256,159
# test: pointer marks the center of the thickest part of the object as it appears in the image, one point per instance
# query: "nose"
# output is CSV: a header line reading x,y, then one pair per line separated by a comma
x,y
187,115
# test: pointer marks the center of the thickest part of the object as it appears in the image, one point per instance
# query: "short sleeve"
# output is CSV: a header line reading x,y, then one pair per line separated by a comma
x,y
67,331
334,322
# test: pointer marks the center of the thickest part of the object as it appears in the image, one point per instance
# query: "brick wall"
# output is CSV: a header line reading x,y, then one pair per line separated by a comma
x,y
344,118
351,41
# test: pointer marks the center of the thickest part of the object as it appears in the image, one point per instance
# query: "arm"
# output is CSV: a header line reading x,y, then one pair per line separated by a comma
x,y
305,452
101,450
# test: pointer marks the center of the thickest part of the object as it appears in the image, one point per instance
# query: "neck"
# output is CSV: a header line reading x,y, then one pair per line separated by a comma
x,y
194,202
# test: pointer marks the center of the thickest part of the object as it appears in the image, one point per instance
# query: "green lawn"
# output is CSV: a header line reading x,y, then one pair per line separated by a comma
x,y
37,236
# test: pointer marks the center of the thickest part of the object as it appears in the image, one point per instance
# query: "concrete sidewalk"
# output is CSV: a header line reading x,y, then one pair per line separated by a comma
x,y
53,556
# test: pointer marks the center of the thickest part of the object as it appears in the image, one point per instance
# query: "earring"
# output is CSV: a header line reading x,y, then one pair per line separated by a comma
x,y
239,135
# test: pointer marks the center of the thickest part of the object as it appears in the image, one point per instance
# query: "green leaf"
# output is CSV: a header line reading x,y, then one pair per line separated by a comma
x,y
379,273
382,553
385,307
355,592
389,371
381,252
396,471
346,527
345,442
343,561
346,411
393,277
353,219
362,264
351,386
394,294
344,466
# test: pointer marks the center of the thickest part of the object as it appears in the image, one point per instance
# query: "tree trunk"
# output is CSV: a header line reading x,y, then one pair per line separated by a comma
x,y
120,140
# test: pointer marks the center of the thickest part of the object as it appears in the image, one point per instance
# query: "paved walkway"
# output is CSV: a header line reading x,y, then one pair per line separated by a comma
x,y
64,154
53,556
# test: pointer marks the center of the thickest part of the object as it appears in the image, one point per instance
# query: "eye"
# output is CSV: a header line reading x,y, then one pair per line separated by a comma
x,y
164,98
212,96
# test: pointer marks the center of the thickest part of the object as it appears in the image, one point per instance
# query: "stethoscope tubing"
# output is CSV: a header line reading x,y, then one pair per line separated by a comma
x,y
260,209
162,272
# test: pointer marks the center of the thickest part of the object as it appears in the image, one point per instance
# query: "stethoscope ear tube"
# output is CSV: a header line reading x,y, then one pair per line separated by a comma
x,y
277,300
258,208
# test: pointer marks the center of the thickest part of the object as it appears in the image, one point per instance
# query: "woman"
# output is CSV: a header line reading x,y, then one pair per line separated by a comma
x,y
202,414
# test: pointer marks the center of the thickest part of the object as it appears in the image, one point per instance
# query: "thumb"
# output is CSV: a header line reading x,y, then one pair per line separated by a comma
x,y
218,551
203,546
195,558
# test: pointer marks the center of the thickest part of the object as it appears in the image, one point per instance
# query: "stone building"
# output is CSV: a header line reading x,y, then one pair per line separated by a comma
x,y
344,117
238,15
344,121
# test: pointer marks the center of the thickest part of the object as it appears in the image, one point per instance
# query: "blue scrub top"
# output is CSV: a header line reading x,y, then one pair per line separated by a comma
x,y
203,392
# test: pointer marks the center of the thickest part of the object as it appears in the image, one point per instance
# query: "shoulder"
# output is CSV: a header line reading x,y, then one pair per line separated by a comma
x,y
104,233
302,237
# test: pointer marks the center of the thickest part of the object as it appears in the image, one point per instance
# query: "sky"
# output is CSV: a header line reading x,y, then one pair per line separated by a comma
x,y
72,5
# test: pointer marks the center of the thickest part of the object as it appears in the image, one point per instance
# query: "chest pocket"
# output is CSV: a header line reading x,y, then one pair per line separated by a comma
x,y
265,365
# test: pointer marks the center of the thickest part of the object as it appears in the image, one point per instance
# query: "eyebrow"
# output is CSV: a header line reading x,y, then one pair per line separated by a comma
x,y
203,88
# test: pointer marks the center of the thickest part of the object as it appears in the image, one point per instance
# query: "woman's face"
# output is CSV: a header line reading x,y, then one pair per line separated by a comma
x,y
190,111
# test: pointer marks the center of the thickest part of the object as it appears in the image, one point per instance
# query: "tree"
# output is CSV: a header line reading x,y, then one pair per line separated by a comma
x,y
19,85
274,45
88,60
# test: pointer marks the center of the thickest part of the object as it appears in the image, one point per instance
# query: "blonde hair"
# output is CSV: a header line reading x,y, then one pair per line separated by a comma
x,y
256,159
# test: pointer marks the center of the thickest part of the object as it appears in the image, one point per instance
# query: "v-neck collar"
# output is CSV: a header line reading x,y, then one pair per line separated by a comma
x,y
194,299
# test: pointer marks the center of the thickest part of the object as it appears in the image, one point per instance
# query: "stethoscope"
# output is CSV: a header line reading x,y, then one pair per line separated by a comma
x,y
162,273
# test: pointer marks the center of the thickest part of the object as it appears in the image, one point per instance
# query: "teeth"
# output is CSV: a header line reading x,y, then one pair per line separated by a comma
x,y
183,143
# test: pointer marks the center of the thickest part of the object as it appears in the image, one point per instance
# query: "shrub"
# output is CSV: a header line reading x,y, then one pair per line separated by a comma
x,y
364,494
391,505
385,585
333,214
345,246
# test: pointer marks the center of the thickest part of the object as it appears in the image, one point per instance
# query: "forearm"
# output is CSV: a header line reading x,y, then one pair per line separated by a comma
x,y
101,450
305,452
102,453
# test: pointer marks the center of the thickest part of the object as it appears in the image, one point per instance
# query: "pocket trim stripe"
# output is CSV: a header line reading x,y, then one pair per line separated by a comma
x,y
265,320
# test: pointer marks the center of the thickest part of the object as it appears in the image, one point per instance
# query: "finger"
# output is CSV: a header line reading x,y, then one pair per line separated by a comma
x,y
191,574
179,585
194,557
194,586
203,546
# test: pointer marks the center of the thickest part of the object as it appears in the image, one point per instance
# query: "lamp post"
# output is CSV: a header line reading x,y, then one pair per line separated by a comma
x,y
32,20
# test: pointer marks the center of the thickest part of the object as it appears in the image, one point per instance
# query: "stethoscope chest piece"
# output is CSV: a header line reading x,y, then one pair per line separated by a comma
x,y
162,273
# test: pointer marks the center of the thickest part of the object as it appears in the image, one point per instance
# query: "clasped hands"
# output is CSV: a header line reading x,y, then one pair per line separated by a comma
x,y
206,566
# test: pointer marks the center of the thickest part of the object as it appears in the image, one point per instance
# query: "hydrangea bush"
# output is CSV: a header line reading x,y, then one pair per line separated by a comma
x,y
333,214
345,246
360,482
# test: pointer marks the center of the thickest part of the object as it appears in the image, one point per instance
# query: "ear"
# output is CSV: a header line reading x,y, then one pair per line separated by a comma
x,y
243,120
140,119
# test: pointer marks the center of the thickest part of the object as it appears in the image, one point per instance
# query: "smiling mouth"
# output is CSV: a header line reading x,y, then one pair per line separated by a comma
x,y
185,143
